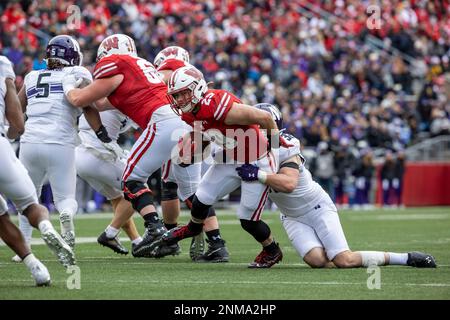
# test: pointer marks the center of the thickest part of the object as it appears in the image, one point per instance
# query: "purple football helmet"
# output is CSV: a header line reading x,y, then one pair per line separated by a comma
x,y
65,50
277,116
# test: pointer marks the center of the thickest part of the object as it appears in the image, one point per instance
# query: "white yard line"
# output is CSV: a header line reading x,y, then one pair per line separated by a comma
x,y
245,282
401,217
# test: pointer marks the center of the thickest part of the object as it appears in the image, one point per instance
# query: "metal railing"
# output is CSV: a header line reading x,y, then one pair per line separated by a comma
x,y
435,150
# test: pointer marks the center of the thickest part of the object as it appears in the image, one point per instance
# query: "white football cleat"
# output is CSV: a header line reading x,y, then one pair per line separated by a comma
x,y
40,274
16,258
59,247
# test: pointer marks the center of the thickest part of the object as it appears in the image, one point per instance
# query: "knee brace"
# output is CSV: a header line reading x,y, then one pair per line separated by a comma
x,y
258,229
138,194
211,212
199,210
169,191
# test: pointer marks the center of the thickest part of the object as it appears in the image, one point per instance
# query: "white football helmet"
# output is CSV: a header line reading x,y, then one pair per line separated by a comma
x,y
172,52
116,44
190,79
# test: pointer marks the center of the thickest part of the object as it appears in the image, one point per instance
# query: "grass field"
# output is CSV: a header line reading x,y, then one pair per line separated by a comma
x,y
105,275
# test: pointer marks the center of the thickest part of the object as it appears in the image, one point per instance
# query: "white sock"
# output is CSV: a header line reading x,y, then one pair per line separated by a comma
x,y
398,258
136,241
67,226
372,258
30,260
45,225
111,232
25,227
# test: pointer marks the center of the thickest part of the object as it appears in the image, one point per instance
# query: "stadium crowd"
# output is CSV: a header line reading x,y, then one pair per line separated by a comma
x,y
340,96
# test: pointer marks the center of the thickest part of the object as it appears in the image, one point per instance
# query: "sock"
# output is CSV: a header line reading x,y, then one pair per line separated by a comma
x,y
371,258
195,228
111,232
170,225
272,248
213,235
67,226
30,260
45,225
151,217
25,227
136,241
398,258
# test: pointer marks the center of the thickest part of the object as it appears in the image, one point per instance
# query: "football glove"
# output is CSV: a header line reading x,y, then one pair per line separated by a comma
x,y
249,172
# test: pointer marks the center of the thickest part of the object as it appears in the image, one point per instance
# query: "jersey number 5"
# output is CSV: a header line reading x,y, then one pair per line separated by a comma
x,y
149,71
44,86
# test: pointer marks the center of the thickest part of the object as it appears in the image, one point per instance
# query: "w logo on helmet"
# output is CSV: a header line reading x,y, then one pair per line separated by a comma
x,y
111,43
170,51
195,73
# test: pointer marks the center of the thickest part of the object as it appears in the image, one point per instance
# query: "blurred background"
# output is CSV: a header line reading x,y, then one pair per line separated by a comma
x,y
364,85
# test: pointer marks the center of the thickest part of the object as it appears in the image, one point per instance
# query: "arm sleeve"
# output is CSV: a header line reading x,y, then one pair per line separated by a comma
x,y
106,67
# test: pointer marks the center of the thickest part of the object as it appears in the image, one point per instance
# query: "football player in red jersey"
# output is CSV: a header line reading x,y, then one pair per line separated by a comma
x,y
183,181
132,85
170,59
236,128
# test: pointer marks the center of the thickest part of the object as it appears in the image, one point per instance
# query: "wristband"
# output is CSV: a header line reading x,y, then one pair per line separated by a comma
x,y
102,134
262,176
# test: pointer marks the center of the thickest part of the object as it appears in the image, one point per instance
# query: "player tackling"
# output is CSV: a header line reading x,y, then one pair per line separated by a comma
x,y
310,217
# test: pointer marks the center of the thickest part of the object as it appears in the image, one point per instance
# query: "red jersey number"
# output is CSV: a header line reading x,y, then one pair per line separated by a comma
x,y
149,71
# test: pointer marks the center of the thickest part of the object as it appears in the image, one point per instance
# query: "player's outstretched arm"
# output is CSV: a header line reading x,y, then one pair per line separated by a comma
x,y
93,118
242,114
103,105
13,111
285,180
98,89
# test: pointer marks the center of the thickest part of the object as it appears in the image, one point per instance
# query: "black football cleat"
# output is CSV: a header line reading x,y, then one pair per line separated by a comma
x,y
150,240
161,249
217,252
266,259
421,260
112,243
197,247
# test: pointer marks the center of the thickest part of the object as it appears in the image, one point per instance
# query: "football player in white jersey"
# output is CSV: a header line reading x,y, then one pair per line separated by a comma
x,y
179,181
103,171
16,185
310,217
47,148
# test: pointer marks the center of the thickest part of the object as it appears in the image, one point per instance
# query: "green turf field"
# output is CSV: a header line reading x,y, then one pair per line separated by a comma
x,y
105,275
